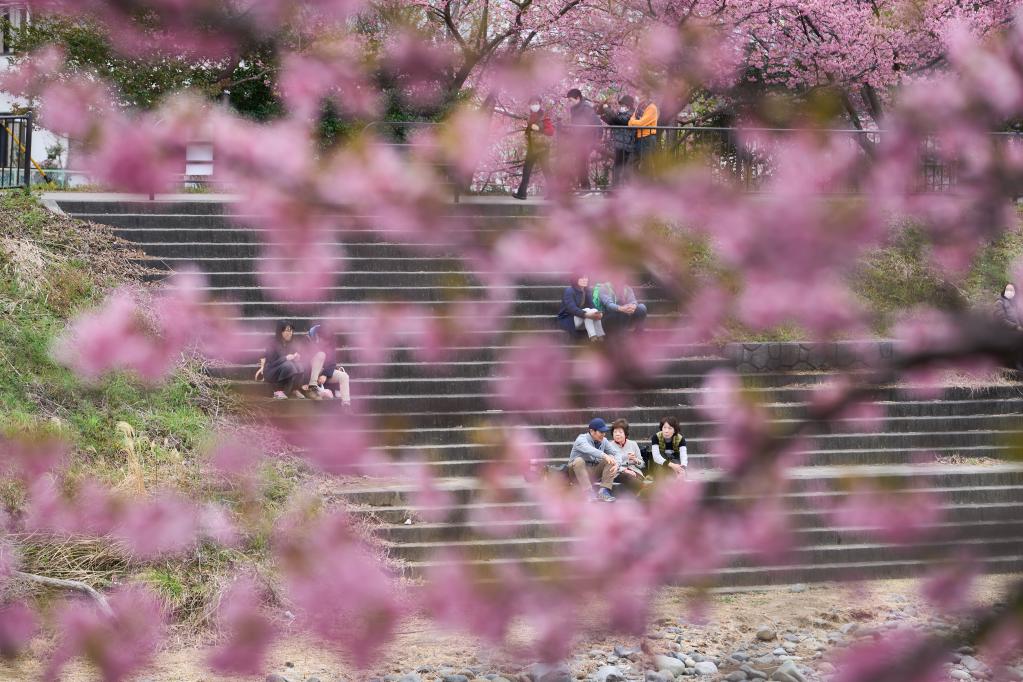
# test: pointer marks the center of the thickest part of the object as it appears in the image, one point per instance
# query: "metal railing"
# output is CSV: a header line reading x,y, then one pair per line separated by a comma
x,y
15,150
741,156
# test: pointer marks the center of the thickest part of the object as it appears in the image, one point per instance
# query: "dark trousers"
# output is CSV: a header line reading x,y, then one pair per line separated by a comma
x,y
616,321
533,157
618,170
582,171
645,147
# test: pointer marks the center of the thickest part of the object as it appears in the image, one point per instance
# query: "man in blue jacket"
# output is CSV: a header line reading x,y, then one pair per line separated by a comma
x,y
591,453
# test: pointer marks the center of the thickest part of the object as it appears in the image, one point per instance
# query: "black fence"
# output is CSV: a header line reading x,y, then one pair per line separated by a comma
x,y
15,150
742,156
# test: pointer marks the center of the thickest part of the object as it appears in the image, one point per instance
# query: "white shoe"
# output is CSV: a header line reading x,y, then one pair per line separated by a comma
x,y
324,393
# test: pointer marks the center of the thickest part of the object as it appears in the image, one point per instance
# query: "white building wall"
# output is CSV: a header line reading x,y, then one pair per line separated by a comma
x,y
42,139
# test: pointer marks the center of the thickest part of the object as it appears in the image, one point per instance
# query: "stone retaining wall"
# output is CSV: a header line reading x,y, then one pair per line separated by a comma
x,y
798,356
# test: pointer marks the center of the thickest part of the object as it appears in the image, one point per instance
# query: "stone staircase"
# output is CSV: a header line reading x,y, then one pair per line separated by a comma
x,y
448,407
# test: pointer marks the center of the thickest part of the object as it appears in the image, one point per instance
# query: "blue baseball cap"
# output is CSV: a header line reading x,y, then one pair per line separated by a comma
x,y
599,424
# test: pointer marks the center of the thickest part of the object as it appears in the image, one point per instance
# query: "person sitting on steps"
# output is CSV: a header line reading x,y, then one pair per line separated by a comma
x,y
574,316
282,366
591,453
325,369
628,455
668,449
621,308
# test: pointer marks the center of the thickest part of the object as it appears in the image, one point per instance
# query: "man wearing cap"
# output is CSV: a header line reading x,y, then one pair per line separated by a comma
x,y
591,453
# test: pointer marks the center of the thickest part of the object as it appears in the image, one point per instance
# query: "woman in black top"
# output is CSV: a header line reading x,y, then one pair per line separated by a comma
x,y
282,365
670,444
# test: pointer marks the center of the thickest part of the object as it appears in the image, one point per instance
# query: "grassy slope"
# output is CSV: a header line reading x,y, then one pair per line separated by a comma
x,y
52,267
36,392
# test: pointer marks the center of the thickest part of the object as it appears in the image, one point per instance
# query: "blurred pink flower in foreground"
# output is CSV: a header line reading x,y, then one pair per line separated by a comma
x,y
118,646
245,629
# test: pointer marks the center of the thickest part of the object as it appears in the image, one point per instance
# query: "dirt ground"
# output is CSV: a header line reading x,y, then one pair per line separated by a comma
x,y
729,623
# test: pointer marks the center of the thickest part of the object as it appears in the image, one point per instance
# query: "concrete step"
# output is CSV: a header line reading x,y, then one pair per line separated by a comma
x,y
275,263
382,387
667,401
828,569
443,291
808,486
226,205
431,303
470,459
984,518
466,505
205,229
998,540
367,225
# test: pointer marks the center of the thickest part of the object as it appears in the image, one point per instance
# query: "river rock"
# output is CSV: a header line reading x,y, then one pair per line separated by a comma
x,y
959,675
753,673
609,673
788,672
658,676
274,677
766,634
971,663
706,668
672,665
736,676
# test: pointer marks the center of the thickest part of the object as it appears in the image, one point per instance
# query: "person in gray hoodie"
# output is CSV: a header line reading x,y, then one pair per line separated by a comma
x,y
620,307
591,453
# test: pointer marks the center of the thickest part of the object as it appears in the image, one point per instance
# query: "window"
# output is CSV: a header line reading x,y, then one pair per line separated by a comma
x,y
11,18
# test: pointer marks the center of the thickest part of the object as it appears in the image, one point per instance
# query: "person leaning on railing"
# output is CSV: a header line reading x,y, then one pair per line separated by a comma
x,y
623,139
645,118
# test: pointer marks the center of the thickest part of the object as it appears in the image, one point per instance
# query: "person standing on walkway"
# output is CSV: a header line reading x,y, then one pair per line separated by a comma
x,y
591,454
583,134
575,316
645,121
623,138
539,131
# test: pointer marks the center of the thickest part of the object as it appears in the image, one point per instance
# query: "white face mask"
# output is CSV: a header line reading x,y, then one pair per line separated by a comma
x,y
624,110
1010,294
534,107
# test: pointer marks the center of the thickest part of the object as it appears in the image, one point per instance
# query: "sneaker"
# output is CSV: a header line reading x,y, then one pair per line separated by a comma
x,y
323,393
605,495
516,195
280,395
337,394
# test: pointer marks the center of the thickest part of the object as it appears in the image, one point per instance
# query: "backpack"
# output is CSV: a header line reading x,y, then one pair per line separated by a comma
x,y
596,296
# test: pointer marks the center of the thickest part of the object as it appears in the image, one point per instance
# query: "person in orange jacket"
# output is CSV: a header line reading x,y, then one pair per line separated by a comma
x,y
645,118
539,131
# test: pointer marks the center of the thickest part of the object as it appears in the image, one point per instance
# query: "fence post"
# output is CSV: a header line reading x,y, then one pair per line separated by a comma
x,y
28,152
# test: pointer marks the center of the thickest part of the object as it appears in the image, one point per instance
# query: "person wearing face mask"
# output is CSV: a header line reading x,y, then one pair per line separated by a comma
x,y
623,138
539,131
1006,311
584,132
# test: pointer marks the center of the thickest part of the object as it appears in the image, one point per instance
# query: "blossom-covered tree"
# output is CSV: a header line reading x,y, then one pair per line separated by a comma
x,y
768,251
